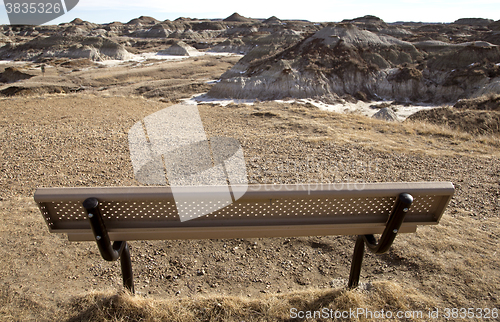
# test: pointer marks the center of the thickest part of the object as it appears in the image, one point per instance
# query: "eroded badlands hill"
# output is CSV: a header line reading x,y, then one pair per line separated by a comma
x,y
342,60
358,59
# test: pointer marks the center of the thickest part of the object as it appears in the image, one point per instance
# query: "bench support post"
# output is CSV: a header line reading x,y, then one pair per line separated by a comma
x,y
126,264
357,261
109,252
396,218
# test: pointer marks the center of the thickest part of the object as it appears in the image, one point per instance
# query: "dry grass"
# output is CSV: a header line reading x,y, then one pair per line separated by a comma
x,y
407,137
109,306
461,251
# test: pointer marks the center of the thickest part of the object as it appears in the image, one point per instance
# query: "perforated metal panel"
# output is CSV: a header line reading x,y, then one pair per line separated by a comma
x,y
56,212
153,208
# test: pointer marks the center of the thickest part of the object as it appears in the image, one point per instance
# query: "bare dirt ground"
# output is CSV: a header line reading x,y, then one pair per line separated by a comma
x,y
80,139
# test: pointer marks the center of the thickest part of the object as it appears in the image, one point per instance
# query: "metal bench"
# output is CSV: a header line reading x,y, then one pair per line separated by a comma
x,y
121,214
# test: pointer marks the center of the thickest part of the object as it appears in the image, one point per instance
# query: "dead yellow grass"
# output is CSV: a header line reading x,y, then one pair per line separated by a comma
x,y
407,137
317,303
465,249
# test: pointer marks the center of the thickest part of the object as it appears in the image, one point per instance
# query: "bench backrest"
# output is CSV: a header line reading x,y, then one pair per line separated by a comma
x,y
148,213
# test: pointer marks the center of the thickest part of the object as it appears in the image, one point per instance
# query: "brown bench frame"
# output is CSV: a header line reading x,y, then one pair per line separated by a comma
x,y
122,214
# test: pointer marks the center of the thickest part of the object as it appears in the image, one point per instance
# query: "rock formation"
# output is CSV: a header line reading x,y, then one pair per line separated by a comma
x,y
368,22
386,114
94,48
235,45
236,17
272,21
495,25
12,74
143,20
77,21
157,31
473,21
342,59
179,48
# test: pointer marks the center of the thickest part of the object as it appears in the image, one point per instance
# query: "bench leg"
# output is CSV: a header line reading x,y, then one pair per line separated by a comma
x,y
127,274
357,261
396,218
110,252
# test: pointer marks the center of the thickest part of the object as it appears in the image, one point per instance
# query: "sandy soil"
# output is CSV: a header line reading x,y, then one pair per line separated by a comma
x,y
80,139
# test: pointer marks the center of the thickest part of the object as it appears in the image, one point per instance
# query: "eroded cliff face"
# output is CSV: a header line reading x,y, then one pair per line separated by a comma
x,y
342,60
41,47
